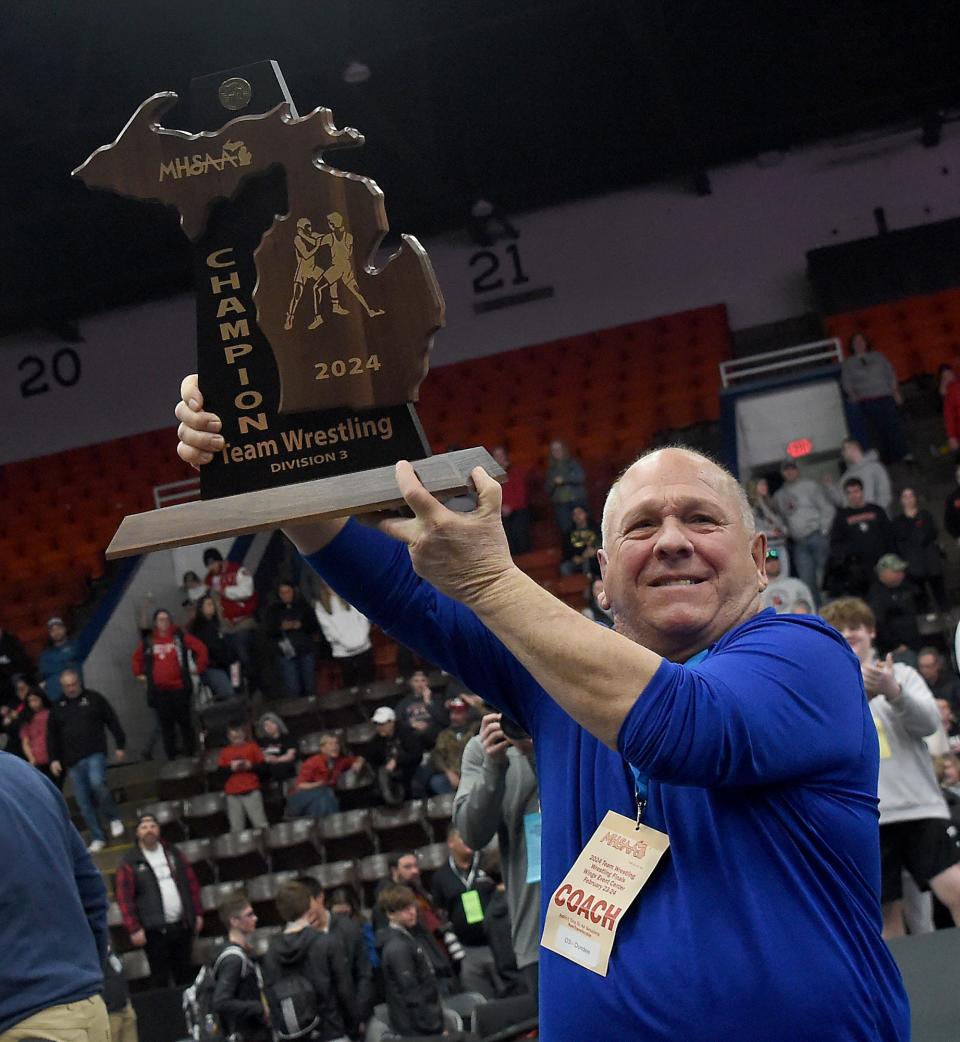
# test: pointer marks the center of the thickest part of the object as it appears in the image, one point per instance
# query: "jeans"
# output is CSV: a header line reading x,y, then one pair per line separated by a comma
x,y
882,418
218,680
298,674
90,787
809,559
312,803
174,714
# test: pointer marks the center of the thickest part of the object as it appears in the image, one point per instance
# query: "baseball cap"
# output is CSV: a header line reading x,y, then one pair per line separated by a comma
x,y
383,715
456,703
54,620
892,561
141,818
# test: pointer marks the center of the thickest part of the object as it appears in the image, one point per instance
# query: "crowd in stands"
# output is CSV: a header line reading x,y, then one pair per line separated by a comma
x,y
859,547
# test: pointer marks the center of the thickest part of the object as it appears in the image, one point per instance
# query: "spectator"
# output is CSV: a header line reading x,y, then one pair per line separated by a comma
x,y
194,588
869,380
947,768
871,472
443,769
33,733
348,634
12,716
565,485
594,609
238,987
77,743
290,624
313,795
53,926
915,540
348,933
241,758
162,659
302,953
913,814
59,654
804,506
498,797
116,997
859,537
462,889
948,720
939,677
14,661
403,868
580,545
951,509
895,604
422,712
784,593
222,660
356,935
238,603
159,899
515,506
395,754
409,979
278,747
768,520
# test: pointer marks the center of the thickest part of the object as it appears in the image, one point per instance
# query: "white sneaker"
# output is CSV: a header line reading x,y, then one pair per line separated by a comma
x,y
96,846
116,828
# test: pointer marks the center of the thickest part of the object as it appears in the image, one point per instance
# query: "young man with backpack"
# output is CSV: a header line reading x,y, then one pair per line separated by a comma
x,y
308,983
238,997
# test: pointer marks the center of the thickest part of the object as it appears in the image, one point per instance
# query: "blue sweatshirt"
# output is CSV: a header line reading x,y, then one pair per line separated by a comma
x,y
53,906
763,921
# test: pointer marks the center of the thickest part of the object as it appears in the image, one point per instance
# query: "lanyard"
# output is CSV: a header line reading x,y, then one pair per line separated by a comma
x,y
641,782
468,877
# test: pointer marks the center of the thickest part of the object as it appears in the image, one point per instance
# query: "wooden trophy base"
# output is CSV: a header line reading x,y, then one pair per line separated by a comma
x,y
364,492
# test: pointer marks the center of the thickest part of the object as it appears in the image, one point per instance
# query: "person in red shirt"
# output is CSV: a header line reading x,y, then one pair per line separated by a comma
x,y
238,600
244,798
313,795
515,507
33,734
163,661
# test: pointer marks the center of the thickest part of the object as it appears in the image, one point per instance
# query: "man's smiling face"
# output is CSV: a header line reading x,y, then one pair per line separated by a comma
x,y
680,565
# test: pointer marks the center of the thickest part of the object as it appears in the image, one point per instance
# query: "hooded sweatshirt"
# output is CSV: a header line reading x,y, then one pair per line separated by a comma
x,y
804,506
322,960
876,482
410,983
167,658
907,788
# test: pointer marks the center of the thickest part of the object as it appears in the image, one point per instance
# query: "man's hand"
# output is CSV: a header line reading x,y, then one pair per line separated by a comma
x,y
462,555
357,765
390,766
138,939
878,679
120,755
56,768
198,924
493,740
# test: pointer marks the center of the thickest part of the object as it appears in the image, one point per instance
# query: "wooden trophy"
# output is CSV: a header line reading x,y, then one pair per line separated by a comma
x,y
311,356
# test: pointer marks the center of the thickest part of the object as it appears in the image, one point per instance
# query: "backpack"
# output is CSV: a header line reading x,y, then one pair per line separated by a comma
x,y
203,1024
292,997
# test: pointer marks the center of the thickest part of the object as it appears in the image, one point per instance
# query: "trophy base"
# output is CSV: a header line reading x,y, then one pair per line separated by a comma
x,y
364,492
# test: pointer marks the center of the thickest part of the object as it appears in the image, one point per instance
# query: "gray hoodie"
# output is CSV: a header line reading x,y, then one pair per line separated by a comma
x,y
907,786
494,800
876,482
805,507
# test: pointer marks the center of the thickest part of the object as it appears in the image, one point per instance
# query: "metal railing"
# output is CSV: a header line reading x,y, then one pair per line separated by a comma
x,y
801,356
176,492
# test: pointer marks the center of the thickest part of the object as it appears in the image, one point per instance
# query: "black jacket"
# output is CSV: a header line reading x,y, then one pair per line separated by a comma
x,y
915,540
350,933
951,513
138,892
413,997
77,727
403,746
222,654
447,889
236,997
325,966
299,611
896,611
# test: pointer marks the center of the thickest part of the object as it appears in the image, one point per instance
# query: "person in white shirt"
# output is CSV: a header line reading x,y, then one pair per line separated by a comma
x,y
913,813
785,594
348,634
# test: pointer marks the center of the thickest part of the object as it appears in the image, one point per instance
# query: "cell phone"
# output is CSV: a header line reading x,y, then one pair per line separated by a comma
x,y
512,730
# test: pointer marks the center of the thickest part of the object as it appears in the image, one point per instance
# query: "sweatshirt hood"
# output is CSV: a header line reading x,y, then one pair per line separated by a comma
x,y
290,948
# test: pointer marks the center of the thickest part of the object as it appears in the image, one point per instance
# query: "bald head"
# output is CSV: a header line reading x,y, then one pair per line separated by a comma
x,y
723,478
